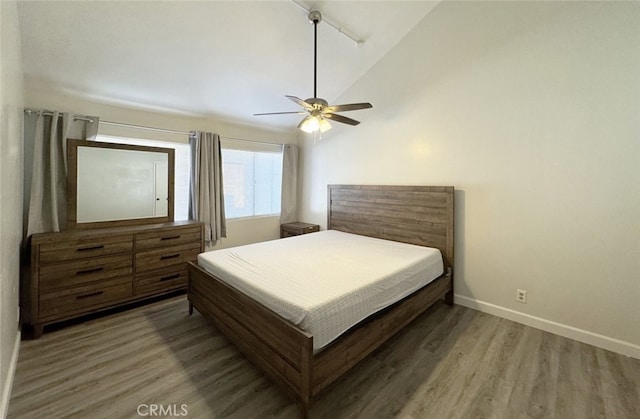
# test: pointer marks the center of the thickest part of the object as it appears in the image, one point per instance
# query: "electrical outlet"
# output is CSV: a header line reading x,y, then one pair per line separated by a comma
x,y
521,296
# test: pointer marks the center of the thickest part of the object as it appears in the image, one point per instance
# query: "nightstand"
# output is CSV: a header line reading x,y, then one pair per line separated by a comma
x,y
296,229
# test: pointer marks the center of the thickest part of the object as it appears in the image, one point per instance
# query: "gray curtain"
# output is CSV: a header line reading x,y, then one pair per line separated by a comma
x,y
206,189
46,167
289,203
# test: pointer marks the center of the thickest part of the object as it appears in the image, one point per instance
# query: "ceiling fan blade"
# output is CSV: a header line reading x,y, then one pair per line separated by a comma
x,y
348,107
280,113
300,102
340,118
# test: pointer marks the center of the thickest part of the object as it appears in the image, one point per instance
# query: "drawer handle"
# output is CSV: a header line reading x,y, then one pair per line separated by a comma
x,y
164,257
84,249
170,277
93,294
170,238
89,271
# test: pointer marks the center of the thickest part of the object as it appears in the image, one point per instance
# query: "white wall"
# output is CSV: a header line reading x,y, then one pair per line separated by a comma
x,y
240,231
12,96
532,111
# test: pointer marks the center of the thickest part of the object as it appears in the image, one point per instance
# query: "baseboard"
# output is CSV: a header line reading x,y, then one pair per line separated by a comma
x,y
601,341
8,384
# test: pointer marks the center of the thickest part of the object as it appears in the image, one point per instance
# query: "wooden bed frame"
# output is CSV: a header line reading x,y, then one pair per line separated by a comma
x,y
421,215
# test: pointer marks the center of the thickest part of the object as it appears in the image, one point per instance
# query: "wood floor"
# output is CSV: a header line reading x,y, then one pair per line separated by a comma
x,y
452,362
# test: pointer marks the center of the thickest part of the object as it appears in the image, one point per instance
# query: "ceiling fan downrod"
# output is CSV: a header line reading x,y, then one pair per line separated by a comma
x,y
315,17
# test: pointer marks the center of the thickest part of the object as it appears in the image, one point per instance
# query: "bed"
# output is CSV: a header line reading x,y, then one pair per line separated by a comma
x,y
276,338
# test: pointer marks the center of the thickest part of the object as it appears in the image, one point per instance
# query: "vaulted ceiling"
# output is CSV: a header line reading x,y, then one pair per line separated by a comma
x,y
226,59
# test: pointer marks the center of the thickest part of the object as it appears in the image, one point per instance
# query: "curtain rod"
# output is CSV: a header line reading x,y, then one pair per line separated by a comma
x,y
171,131
49,113
250,141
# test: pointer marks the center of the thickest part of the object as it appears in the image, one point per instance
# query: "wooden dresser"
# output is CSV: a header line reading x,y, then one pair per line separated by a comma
x,y
77,272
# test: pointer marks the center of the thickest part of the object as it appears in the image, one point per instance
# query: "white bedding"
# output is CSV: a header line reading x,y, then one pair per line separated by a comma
x,y
325,282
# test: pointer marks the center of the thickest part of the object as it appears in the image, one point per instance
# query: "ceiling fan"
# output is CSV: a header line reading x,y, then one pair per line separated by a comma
x,y
318,110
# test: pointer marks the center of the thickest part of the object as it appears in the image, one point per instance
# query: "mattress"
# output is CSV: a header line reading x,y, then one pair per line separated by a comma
x,y
325,282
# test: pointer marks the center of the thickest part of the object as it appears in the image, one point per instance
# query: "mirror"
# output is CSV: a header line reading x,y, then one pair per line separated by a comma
x,y
117,184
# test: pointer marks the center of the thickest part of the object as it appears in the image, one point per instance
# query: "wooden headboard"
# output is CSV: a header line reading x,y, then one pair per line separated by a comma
x,y
421,215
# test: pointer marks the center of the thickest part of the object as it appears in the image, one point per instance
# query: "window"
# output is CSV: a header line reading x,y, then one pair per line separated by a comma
x,y
182,169
252,181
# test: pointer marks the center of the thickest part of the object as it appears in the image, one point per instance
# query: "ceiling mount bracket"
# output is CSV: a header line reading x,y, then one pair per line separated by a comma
x,y
315,17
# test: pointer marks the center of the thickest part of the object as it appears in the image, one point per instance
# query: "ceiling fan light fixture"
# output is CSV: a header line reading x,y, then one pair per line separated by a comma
x,y
310,124
313,123
324,125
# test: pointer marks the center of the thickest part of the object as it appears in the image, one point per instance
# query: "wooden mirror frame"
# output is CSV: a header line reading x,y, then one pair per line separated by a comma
x,y
72,185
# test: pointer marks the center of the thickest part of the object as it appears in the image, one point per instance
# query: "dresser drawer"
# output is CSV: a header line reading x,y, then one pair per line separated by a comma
x,y
84,298
84,271
84,248
161,258
156,239
288,233
161,280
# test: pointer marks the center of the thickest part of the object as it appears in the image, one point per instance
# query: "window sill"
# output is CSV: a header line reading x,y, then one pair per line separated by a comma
x,y
253,217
